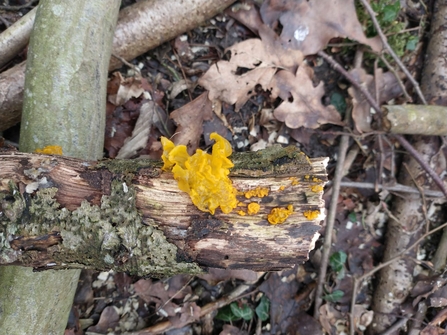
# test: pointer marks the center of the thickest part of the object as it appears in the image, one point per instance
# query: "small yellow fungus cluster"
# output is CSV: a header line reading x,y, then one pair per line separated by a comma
x,y
294,181
316,188
279,215
50,150
259,192
203,176
311,215
253,208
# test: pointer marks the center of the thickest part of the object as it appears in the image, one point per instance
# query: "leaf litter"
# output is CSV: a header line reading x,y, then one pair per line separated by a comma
x,y
261,87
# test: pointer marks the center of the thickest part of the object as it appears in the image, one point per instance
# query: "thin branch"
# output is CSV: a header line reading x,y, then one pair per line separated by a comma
x,y
382,36
344,143
392,188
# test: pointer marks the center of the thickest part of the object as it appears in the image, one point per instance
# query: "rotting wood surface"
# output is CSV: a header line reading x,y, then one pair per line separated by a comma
x,y
128,215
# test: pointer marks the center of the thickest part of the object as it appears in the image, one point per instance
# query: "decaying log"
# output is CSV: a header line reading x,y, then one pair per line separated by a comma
x,y
128,215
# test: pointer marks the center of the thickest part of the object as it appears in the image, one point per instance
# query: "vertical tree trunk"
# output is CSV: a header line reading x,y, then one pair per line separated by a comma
x,y
64,104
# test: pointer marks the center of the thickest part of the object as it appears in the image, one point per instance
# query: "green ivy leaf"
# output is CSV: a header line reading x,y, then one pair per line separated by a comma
x,y
226,314
352,217
337,260
390,12
262,310
338,102
244,312
412,43
334,296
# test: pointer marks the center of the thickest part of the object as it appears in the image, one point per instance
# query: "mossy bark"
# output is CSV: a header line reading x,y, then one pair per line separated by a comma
x,y
128,216
64,104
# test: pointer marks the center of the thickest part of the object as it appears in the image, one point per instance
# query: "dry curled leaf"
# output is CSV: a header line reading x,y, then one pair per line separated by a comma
x,y
189,119
302,105
308,25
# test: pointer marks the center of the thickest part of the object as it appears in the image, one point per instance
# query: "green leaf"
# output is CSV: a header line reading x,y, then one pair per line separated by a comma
x,y
262,310
412,43
341,274
334,296
244,312
338,102
352,217
390,12
226,314
337,260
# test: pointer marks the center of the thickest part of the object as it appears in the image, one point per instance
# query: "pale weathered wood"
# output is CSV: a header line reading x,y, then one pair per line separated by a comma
x,y
129,216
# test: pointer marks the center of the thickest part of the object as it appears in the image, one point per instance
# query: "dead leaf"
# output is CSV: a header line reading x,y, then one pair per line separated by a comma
x,y
150,114
189,119
253,62
128,88
302,105
309,25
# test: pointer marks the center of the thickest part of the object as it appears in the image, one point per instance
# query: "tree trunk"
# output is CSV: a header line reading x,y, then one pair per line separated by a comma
x,y
64,104
128,216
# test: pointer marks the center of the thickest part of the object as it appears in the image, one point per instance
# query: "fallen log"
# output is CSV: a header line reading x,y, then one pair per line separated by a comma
x,y
128,215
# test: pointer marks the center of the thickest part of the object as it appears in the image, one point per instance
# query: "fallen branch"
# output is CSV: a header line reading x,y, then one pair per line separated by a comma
x,y
128,216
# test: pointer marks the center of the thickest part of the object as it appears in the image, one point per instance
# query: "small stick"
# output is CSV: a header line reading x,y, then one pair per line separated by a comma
x,y
344,143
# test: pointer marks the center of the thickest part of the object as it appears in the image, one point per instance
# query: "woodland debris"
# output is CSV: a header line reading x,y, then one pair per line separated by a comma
x,y
140,27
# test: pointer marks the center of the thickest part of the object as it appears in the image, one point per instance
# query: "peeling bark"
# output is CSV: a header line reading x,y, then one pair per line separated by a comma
x,y
128,216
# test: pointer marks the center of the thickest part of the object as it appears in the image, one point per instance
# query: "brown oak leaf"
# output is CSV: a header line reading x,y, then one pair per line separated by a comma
x,y
302,105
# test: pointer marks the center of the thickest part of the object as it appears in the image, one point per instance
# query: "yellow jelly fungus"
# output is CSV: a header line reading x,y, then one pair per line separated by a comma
x,y
279,215
294,181
282,188
241,213
316,188
203,176
311,215
316,180
50,150
259,192
306,177
253,208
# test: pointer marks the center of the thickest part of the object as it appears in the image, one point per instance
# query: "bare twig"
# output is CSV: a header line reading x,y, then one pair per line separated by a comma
x,y
399,81
392,188
382,36
344,143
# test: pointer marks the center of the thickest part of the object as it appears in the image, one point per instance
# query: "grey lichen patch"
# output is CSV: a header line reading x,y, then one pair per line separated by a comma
x,y
111,236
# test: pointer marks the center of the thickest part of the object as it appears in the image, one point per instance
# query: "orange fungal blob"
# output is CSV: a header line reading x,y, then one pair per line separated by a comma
x,y
279,215
203,176
259,192
311,215
253,208
316,188
50,150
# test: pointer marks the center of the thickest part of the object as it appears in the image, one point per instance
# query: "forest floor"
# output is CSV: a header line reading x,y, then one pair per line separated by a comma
x,y
300,100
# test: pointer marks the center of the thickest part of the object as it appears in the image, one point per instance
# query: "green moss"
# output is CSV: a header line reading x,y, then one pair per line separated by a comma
x,y
111,236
